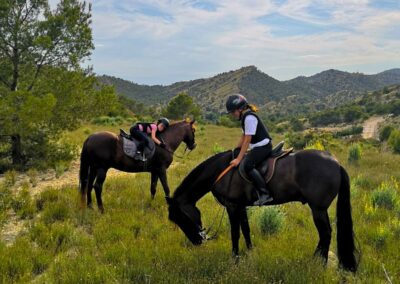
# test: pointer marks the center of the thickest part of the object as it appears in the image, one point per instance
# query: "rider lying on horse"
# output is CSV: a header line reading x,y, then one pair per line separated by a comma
x,y
141,130
255,136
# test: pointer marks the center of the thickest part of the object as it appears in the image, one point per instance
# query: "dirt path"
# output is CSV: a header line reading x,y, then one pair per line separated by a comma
x,y
370,127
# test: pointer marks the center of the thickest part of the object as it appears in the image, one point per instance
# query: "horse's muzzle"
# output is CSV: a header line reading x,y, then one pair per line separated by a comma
x,y
192,147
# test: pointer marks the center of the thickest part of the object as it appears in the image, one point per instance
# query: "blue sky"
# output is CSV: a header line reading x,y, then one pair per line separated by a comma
x,y
165,41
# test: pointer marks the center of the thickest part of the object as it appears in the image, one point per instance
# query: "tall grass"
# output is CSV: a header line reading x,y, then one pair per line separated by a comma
x,y
134,242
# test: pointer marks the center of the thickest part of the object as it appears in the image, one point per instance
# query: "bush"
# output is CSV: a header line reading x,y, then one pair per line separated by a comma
x,y
22,204
394,141
227,122
270,220
385,132
385,196
380,237
354,130
355,154
10,177
316,145
33,176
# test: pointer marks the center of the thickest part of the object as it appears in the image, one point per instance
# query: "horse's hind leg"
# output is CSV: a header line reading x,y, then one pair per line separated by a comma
x,y
321,221
164,181
244,224
234,218
92,176
98,187
154,180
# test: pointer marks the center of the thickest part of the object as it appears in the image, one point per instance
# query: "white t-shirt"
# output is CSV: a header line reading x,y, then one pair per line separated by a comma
x,y
250,128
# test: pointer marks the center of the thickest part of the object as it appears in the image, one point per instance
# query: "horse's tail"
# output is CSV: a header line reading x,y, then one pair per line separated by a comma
x,y
84,173
345,235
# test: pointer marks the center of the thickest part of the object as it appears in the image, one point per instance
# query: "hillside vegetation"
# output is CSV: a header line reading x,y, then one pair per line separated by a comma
x,y
323,90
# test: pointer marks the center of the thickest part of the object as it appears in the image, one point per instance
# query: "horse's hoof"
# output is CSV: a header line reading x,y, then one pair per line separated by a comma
x,y
236,258
152,196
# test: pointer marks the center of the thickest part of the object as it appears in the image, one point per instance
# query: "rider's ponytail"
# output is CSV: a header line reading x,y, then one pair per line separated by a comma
x,y
252,107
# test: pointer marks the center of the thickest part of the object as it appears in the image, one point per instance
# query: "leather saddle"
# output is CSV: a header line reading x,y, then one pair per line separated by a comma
x,y
130,146
267,167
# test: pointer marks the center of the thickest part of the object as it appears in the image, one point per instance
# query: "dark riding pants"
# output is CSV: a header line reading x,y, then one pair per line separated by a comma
x,y
255,156
140,136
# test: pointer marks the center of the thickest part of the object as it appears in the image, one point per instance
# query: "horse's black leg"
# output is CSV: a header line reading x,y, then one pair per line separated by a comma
x,y
163,178
244,224
98,187
321,220
154,180
234,218
92,176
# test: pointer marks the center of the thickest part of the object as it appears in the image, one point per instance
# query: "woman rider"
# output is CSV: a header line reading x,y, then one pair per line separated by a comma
x,y
141,130
256,137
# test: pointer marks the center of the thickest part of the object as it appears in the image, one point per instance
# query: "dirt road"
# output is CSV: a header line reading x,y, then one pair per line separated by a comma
x,y
370,127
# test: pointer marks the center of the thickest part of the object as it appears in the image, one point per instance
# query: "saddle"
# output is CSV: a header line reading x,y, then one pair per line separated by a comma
x,y
130,145
267,167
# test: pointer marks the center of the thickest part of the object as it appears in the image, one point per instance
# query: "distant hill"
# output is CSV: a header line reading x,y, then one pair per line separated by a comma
x,y
302,94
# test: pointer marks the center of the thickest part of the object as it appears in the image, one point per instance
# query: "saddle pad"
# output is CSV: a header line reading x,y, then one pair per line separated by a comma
x,y
129,147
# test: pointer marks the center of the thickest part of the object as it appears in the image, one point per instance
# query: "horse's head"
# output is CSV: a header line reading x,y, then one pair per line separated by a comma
x,y
188,218
189,135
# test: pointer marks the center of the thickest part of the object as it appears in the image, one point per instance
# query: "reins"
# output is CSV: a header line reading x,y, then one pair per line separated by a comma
x,y
220,176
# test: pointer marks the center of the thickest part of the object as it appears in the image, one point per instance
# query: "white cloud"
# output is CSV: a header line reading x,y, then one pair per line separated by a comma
x,y
182,35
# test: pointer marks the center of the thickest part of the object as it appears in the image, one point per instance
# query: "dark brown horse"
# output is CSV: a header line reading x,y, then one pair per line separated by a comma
x,y
310,176
103,150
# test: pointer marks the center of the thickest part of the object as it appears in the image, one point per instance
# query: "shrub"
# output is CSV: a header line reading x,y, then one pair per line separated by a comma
x,y
10,177
58,211
355,153
385,132
33,176
394,141
270,220
354,130
385,196
380,236
316,145
22,204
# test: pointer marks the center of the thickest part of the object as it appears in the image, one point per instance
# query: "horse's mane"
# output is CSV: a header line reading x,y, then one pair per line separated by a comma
x,y
188,180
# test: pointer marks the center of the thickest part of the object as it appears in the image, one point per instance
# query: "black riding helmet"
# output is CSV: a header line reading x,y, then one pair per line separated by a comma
x,y
163,121
235,102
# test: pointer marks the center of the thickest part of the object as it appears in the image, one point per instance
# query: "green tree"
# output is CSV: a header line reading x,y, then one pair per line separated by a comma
x,y
32,37
181,106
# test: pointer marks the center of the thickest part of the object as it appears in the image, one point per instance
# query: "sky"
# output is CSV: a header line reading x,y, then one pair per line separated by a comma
x,y
166,41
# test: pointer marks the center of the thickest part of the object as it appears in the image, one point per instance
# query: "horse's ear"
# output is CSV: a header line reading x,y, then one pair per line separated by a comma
x,y
193,121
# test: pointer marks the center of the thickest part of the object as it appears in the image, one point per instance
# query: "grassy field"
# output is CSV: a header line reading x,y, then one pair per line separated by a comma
x,y
134,242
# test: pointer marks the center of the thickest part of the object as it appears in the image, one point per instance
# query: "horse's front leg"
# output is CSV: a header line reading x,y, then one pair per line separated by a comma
x,y
162,174
153,187
244,224
234,219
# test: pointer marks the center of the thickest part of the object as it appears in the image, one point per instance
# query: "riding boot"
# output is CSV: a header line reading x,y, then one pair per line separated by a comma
x,y
261,186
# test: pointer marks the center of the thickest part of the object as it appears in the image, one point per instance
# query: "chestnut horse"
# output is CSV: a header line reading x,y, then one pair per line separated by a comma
x,y
104,150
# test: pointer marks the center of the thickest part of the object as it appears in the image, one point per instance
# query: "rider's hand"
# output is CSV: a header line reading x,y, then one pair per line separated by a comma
x,y
235,162
162,145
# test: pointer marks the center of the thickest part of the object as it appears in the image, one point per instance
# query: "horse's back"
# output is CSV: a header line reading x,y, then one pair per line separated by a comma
x,y
102,145
318,175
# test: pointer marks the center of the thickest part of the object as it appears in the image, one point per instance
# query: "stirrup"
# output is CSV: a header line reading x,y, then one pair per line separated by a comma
x,y
264,199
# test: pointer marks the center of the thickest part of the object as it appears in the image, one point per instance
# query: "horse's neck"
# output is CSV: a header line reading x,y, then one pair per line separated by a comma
x,y
204,181
173,136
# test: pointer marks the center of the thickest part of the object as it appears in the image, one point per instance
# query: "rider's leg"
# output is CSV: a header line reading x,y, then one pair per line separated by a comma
x,y
252,159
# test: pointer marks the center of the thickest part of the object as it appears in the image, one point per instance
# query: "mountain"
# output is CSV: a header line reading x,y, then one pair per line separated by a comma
x,y
301,94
